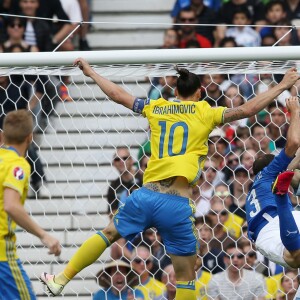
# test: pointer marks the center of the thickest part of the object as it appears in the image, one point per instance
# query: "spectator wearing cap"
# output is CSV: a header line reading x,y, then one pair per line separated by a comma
x,y
117,280
217,147
239,188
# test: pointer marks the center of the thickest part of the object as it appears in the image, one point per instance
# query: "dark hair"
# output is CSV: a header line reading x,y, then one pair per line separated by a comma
x,y
192,44
242,10
187,82
270,5
13,20
261,162
226,40
260,124
276,105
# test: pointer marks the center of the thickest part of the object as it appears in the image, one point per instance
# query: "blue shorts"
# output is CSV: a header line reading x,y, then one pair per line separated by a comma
x,y
14,282
172,216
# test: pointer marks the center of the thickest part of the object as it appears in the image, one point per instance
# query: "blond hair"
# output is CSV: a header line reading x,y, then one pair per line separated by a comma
x,y
17,126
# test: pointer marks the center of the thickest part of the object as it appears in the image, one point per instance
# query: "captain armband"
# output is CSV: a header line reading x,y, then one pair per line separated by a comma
x,y
138,105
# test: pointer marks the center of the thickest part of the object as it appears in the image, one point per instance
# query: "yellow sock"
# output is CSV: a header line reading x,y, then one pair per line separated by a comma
x,y
185,290
88,253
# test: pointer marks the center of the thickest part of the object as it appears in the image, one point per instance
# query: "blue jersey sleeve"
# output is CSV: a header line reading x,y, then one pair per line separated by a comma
x,y
279,164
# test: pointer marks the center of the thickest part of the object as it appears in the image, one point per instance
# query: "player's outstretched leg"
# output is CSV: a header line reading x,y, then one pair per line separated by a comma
x,y
87,254
289,232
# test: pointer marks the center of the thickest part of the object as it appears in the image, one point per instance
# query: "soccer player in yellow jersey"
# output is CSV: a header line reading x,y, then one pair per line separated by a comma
x,y
14,177
179,135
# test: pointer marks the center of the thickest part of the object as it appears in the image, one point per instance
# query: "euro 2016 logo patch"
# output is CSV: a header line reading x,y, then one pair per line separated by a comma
x,y
18,173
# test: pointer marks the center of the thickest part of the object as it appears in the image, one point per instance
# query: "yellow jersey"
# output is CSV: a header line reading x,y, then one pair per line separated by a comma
x,y
14,174
151,288
201,284
179,137
233,225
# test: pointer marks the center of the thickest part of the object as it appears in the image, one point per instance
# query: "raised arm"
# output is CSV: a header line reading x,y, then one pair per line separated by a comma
x,y
262,100
112,90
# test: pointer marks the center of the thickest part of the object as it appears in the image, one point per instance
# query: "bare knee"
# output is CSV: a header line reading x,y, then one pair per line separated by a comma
x,y
111,232
292,258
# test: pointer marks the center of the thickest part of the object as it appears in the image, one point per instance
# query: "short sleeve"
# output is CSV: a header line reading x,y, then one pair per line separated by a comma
x,y
17,177
212,116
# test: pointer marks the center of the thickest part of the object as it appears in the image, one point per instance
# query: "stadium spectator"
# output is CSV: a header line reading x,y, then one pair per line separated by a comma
x,y
232,159
117,280
15,28
275,11
226,12
242,138
228,42
293,9
206,188
243,34
165,175
222,193
142,262
14,178
164,89
236,282
85,11
188,32
289,285
260,137
16,93
283,36
73,11
158,251
221,217
171,39
204,15
278,125
212,257
169,279
217,147
213,92
268,40
247,159
37,31
239,188
124,164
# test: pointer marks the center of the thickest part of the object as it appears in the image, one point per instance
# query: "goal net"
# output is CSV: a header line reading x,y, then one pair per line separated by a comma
x,y
89,153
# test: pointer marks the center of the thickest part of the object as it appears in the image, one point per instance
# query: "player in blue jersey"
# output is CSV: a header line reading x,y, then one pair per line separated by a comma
x,y
179,145
272,223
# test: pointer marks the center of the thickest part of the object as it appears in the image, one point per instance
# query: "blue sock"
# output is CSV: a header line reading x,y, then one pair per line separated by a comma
x,y
289,232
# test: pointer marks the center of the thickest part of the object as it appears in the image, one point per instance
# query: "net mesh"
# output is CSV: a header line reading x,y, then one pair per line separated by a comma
x,y
82,145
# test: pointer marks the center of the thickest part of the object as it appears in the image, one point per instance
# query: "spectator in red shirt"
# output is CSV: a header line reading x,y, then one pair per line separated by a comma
x,y
188,32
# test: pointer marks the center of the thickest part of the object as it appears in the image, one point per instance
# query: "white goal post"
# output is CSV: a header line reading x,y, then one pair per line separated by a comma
x,y
205,60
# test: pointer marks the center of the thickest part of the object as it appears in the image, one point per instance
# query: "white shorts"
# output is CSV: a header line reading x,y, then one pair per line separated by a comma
x,y
269,243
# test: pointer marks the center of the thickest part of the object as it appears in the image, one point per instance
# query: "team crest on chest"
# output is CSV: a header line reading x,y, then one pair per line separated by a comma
x,y
18,173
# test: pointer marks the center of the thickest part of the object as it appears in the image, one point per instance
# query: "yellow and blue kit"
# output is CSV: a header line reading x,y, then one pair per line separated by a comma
x,y
179,145
14,174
